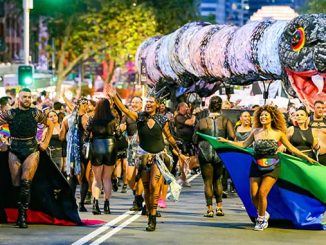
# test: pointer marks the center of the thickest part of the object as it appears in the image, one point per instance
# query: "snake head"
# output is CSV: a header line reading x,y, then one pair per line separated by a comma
x,y
303,56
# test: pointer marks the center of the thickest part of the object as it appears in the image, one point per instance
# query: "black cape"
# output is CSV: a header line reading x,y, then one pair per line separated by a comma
x,y
51,195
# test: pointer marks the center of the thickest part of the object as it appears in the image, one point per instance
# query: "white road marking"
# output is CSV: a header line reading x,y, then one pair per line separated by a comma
x,y
116,229
108,225
103,228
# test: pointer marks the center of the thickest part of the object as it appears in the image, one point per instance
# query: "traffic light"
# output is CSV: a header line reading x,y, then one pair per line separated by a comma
x,y
25,75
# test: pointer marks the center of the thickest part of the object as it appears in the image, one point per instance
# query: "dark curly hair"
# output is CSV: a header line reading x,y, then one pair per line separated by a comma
x,y
215,104
278,120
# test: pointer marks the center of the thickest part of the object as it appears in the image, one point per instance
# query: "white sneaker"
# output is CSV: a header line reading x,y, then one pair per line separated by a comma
x,y
267,216
261,224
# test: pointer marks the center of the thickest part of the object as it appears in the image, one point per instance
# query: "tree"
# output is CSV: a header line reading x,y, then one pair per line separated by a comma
x,y
108,30
315,6
172,14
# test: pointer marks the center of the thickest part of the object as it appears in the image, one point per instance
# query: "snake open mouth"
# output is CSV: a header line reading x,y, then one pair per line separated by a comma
x,y
310,86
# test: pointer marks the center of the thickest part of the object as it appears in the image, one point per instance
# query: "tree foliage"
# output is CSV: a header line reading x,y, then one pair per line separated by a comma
x,y
172,14
315,6
108,30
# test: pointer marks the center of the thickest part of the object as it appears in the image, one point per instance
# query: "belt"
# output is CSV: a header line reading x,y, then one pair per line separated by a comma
x,y
22,139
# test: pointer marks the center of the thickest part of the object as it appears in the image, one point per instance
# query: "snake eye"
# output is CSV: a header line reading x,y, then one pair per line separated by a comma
x,y
298,39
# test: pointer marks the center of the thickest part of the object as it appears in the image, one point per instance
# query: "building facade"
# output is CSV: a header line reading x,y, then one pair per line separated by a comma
x,y
11,33
238,12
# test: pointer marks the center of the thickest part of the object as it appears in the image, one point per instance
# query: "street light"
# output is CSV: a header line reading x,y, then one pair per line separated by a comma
x,y
27,5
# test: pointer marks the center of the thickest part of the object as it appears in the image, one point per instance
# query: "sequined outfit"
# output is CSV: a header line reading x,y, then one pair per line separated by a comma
x,y
23,128
265,149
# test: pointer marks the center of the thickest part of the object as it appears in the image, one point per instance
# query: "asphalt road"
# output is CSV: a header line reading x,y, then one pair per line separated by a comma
x,y
181,223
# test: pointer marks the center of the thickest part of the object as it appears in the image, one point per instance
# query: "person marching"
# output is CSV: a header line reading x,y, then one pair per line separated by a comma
x,y
103,154
269,128
151,127
24,150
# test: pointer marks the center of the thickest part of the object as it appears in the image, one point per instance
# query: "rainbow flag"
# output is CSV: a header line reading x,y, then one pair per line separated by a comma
x,y
298,199
5,130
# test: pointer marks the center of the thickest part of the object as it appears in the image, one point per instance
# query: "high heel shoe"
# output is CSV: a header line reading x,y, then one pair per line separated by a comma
x,y
96,209
107,207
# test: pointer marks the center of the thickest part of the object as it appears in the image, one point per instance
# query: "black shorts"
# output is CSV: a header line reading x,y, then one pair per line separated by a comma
x,y
103,152
255,172
23,148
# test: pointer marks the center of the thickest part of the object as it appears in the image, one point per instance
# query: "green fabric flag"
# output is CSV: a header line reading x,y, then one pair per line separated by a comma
x,y
310,177
219,145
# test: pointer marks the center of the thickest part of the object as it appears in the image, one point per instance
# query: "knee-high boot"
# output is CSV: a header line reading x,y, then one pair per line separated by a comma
x,y
23,203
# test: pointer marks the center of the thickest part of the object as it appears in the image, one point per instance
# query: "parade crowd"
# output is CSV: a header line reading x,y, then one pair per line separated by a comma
x,y
147,148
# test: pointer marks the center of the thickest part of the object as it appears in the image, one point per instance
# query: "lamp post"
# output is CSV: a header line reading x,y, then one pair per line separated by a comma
x,y
27,5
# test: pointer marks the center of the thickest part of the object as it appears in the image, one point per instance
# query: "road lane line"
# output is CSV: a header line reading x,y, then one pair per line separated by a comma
x,y
103,228
116,229
128,221
108,225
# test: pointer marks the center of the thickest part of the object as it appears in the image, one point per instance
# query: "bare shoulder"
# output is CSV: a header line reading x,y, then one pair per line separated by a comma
x,y
279,134
256,131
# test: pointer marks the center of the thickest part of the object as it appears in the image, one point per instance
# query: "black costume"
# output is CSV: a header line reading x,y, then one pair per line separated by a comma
x,y
151,142
51,199
185,134
151,139
48,193
103,145
320,125
23,128
55,149
303,140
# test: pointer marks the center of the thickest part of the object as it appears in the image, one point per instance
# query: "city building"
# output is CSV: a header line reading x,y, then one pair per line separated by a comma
x,y
238,12
274,12
11,39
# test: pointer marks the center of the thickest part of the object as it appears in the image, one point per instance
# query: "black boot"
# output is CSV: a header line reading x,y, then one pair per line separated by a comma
x,y
23,203
82,207
96,209
88,199
107,207
151,223
144,210
137,204
115,184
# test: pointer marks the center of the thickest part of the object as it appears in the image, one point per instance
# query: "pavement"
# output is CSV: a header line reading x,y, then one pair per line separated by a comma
x,y
182,222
